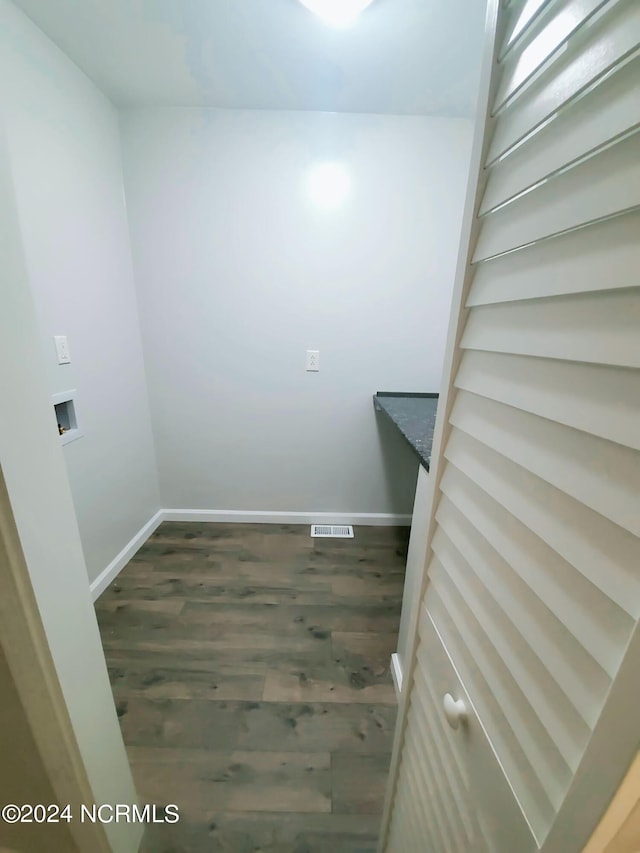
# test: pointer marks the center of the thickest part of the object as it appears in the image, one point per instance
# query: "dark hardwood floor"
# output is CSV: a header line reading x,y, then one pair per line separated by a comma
x,y
250,670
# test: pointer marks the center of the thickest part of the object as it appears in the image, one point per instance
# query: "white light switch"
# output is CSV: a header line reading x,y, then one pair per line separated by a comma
x,y
62,349
313,360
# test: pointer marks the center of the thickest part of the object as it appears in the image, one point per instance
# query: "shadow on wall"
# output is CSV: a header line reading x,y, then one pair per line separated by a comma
x,y
400,467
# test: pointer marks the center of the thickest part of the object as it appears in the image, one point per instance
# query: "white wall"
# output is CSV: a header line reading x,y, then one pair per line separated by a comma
x,y
238,274
34,472
65,154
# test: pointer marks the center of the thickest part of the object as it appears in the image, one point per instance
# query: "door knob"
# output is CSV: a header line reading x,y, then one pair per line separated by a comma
x,y
454,710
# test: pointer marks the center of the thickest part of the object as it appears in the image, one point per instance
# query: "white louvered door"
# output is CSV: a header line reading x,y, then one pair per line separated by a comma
x,y
530,606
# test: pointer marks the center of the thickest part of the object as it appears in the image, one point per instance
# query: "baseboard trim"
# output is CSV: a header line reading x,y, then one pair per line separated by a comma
x,y
367,519
396,673
114,568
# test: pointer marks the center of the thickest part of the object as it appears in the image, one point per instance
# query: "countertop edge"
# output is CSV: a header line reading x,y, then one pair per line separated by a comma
x,y
421,452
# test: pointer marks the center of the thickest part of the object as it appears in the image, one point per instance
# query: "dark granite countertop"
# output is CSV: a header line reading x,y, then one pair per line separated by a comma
x,y
414,415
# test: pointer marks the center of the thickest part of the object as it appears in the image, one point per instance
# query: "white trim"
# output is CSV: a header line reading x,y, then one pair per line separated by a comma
x,y
368,519
396,673
114,568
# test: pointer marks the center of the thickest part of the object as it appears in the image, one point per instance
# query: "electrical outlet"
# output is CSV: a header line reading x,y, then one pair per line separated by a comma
x,y
313,360
62,349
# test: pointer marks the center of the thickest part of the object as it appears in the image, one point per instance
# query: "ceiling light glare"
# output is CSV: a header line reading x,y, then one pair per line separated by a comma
x,y
328,185
337,13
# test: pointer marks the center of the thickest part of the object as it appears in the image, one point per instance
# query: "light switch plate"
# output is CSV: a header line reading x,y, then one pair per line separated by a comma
x,y
62,349
313,360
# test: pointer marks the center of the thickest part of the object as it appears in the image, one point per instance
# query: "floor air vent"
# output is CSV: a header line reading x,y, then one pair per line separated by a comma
x,y
333,531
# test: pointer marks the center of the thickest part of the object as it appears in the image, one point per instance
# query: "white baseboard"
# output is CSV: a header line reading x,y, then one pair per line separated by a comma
x,y
396,673
366,519
105,577
114,568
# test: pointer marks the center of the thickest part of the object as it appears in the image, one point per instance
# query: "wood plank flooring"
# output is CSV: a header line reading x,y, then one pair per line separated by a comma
x,y
250,669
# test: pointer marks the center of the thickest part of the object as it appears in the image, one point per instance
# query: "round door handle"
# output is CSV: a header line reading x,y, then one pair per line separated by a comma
x,y
454,710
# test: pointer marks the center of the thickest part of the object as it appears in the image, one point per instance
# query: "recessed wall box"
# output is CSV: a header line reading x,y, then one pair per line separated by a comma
x,y
66,411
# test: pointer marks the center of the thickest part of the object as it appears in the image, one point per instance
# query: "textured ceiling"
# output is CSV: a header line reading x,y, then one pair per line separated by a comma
x,y
401,56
